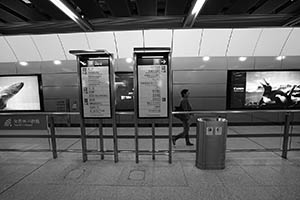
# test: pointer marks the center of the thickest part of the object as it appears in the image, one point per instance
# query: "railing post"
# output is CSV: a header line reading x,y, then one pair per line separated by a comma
x,y
153,141
53,139
285,135
101,139
170,139
83,140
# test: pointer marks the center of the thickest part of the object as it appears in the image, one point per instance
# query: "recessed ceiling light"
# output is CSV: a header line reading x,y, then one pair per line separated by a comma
x,y
242,58
23,63
129,60
206,58
57,62
280,57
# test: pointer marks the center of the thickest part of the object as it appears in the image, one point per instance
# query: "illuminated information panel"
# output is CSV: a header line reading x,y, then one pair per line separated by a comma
x,y
152,75
96,89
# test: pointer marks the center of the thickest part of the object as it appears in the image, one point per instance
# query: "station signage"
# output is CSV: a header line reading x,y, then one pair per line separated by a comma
x,y
23,122
95,88
152,83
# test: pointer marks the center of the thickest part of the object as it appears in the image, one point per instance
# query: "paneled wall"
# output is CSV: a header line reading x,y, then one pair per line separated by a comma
x,y
205,80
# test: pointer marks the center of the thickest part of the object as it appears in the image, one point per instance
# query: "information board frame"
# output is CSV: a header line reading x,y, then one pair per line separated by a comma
x,y
95,57
159,56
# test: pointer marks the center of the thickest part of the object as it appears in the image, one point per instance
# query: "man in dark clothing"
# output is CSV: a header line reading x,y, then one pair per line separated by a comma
x,y
185,106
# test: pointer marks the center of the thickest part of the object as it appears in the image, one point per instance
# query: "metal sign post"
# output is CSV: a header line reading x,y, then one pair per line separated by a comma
x,y
96,92
151,88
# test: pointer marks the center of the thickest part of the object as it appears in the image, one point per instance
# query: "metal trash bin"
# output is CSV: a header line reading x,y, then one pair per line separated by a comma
x,y
211,143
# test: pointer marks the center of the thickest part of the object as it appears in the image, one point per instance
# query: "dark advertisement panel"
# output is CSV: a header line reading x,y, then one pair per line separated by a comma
x,y
124,91
20,93
263,89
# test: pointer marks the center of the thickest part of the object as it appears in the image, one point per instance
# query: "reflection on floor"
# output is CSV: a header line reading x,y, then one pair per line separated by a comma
x,y
248,174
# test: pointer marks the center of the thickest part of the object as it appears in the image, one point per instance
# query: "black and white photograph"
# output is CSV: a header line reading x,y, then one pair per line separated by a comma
x,y
273,89
19,93
150,100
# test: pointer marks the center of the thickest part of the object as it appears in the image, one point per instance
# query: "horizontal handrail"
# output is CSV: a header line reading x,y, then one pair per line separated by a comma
x,y
234,111
39,113
173,112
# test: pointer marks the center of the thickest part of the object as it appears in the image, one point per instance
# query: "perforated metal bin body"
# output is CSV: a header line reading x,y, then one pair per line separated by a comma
x,y
211,143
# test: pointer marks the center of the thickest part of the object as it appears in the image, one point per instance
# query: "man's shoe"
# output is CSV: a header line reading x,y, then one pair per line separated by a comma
x,y
189,144
173,141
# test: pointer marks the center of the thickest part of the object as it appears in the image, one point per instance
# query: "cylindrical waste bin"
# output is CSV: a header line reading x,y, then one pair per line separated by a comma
x,y
211,143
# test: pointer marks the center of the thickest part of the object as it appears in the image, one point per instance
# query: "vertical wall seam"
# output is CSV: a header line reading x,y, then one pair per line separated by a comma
x,y
16,68
228,43
38,52
259,36
36,47
281,50
11,49
87,41
286,40
62,46
116,44
200,42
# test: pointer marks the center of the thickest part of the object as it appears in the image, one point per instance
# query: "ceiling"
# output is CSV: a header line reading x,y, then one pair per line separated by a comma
x,y
283,41
42,17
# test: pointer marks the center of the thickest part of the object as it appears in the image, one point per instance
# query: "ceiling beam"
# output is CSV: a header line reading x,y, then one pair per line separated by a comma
x,y
90,8
175,7
118,8
292,21
24,10
147,7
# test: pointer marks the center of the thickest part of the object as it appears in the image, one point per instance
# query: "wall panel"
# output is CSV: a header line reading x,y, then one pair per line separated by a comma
x,y
291,62
207,77
67,79
204,103
201,90
234,63
65,66
196,63
8,68
267,63
31,68
60,92
123,66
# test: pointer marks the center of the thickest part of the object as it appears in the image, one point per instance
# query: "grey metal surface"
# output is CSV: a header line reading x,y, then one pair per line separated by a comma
x,y
211,143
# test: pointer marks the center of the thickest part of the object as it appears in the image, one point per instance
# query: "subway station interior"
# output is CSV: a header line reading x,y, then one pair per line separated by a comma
x,y
90,93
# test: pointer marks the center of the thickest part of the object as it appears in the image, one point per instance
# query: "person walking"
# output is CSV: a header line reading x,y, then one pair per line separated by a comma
x,y
185,118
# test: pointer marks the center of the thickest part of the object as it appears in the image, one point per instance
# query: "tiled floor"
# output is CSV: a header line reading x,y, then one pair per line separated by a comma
x,y
259,175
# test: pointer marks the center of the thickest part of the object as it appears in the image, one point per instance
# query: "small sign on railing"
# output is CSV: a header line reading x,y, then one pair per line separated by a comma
x,y
23,122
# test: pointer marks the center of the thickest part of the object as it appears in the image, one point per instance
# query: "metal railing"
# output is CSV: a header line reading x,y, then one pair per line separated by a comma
x,y
51,127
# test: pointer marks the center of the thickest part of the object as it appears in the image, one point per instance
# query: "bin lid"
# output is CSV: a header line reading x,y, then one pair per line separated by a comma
x,y
218,119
